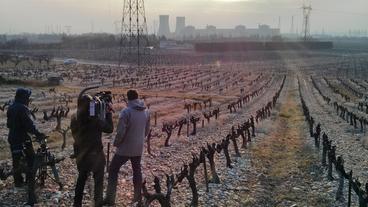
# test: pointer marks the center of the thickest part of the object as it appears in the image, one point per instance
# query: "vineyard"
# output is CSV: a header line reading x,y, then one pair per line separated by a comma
x,y
289,130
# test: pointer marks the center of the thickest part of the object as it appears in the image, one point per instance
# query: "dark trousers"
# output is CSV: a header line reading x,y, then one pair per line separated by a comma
x,y
23,162
91,163
116,163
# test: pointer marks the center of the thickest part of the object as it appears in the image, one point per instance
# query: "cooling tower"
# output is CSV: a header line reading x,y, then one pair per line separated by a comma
x,y
180,25
164,28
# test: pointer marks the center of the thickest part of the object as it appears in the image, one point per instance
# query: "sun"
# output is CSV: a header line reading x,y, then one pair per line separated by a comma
x,y
231,0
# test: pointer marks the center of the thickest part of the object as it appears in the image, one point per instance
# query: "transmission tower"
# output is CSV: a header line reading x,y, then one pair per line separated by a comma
x,y
306,20
134,34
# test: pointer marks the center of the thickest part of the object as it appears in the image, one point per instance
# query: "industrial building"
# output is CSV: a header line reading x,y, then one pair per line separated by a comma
x,y
211,32
183,32
164,27
180,26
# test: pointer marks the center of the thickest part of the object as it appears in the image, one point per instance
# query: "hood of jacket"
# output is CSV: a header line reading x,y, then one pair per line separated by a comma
x,y
137,105
22,96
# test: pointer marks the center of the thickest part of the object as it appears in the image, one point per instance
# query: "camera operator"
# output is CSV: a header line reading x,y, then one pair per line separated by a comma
x,y
20,126
88,149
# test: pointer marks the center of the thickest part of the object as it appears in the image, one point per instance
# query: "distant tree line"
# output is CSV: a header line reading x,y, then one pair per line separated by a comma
x,y
85,41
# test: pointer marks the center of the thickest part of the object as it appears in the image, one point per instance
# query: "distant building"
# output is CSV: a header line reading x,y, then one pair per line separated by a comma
x,y
2,39
175,45
180,26
183,32
167,44
164,28
211,32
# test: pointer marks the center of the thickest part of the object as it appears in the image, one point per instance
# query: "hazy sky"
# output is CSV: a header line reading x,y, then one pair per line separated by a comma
x,y
99,15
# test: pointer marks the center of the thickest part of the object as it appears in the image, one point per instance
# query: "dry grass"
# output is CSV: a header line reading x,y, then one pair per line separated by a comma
x,y
28,83
286,128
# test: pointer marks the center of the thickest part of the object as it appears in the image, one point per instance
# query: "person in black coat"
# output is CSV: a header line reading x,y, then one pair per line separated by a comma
x,y
88,148
20,125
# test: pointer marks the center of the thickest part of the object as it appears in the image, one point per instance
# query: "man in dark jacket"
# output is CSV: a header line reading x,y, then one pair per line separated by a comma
x,y
20,126
88,148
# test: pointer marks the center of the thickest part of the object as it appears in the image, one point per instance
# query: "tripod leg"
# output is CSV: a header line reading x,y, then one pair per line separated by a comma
x,y
37,171
56,175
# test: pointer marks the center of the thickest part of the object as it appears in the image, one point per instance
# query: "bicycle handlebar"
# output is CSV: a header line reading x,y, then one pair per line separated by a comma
x,y
41,141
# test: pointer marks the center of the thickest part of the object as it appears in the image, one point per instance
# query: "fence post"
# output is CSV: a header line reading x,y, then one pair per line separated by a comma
x,y
205,171
331,157
324,149
315,136
340,170
188,128
155,118
311,123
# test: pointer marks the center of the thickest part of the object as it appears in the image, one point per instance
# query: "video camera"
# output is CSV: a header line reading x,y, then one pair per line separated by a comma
x,y
99,103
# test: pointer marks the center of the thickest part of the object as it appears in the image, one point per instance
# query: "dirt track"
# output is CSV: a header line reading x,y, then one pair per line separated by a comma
x,y
287,162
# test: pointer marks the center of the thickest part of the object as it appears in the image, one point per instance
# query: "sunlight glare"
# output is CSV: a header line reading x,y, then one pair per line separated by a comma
x,y
232,0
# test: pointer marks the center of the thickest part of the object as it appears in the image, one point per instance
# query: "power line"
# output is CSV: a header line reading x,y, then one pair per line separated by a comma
x,y
340,12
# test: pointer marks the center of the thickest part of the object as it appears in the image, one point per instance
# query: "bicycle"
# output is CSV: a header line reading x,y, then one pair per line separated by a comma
x,y
44,159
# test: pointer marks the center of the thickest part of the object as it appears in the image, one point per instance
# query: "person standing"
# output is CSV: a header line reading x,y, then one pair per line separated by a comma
x,y
88,149
20,126
132,128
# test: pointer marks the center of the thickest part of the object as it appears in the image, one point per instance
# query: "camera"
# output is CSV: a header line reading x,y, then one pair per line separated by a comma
x,y
99,103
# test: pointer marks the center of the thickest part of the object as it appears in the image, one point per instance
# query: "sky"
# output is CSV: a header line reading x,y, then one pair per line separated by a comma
x,y
40,16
